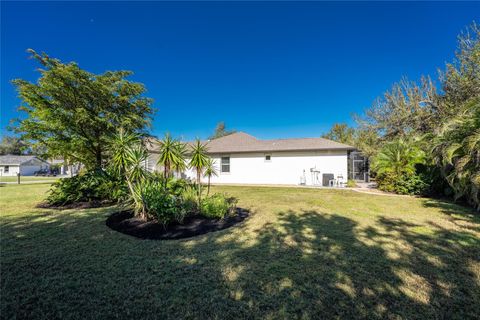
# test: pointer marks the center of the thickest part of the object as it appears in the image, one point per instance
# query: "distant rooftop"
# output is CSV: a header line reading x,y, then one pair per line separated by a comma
x,y
11,159
242,142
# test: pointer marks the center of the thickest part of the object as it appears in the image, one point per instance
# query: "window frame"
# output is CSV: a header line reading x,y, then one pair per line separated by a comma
x,y
225,164
6,169
267,155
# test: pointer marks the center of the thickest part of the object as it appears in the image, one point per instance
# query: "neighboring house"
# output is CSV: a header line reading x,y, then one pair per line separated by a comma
x,y
11,165
64,168
243,159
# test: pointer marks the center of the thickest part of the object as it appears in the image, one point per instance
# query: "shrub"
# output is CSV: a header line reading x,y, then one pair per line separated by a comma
x,y
190,198
162,205
177,186
351,184
412,184
87,187
218,206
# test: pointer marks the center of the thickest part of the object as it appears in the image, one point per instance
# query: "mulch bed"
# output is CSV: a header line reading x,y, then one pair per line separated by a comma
x,y
124,222
76,205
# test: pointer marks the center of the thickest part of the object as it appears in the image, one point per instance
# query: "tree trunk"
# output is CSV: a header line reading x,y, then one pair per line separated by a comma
x,y
199,190
208,189
166,170
98,157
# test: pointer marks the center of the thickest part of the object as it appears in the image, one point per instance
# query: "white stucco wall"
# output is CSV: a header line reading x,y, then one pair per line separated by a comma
x,y
25,169
284,167
12,171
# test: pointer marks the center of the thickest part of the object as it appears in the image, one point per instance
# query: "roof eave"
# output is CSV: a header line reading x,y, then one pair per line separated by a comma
x,y
282,150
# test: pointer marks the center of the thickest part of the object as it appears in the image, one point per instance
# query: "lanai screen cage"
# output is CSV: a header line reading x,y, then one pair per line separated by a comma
x,y
358,168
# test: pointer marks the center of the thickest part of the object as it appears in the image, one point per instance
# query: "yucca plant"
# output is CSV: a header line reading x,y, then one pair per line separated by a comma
x,y
169,155
181,164
128,159
198,162
210,171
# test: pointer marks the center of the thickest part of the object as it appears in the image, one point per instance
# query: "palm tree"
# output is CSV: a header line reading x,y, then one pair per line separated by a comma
x,y
398,157
169,156
198,162
210,170
457,152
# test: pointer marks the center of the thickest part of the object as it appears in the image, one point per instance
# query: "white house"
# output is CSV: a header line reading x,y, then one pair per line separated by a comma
x,y
64,168
11,165
243,159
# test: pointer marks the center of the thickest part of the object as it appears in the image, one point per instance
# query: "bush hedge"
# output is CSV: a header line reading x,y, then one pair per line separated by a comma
x,y
413,184
218,206
90,186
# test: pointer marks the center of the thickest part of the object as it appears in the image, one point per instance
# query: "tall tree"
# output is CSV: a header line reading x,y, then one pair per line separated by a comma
x,y
221,131
457,152
73,112
461,79
367,140
12,145
403,111
456,140
341,132
364,139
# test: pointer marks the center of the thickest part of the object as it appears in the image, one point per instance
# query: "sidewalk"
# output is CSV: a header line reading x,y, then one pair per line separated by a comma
x,y
371,188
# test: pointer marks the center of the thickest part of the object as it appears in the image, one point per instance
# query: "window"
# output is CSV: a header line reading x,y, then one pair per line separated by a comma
x,y
6,169
225,164
268,157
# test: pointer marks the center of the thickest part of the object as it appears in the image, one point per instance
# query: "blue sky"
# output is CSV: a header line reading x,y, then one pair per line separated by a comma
x,y
272,69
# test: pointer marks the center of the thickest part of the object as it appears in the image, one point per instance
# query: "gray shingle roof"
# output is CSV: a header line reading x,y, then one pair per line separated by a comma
x,y
11,159
242,142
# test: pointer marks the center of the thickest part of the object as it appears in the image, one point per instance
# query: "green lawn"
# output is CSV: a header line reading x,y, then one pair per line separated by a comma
x,y
304,253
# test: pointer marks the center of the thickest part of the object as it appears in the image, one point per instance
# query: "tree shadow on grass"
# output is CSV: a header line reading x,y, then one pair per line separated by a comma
x,y
304,264
314,265
462,216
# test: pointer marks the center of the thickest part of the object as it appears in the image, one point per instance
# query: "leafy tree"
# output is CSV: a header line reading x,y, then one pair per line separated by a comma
x,y
461,79
73,113
198,162
221,131
368,141
341,132
456,149
12,145
457,152
365,139
210,171
406,110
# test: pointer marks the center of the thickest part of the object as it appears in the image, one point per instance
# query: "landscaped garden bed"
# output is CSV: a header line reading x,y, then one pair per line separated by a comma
x,y
155,205
125,222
